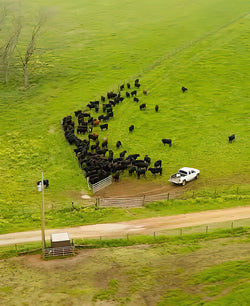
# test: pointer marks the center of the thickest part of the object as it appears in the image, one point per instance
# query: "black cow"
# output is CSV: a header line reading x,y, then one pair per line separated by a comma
x,y
128,85
131,171
118,144
131,128
86,114
140,172
111,154
110,115
82,129
127,94
122,154
145,92
122,87
167,141
137,85
100,117
45,183
102,98
116,176
105,118
143,106
111,95
136,99
77,113
155,170
93,136
147,159
184,89
101,152
158,163
156,108
105,143
231,138
104,126
133,93
136,81
95,146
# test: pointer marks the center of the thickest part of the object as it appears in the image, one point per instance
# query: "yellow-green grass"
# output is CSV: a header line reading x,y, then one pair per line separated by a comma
x,y
190,270
89,47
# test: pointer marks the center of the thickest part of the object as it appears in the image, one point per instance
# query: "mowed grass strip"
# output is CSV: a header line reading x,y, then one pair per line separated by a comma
x,y
86,49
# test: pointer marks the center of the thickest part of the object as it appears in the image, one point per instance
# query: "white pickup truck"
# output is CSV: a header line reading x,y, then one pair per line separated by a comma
x,y
184,175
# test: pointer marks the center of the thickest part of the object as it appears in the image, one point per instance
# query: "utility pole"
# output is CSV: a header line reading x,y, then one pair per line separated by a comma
x,y
42,216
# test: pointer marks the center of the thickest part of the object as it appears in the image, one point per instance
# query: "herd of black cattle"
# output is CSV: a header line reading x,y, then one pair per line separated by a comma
x,y
91,153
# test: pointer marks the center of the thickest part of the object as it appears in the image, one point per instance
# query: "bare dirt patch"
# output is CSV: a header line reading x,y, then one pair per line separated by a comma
x,y
127,188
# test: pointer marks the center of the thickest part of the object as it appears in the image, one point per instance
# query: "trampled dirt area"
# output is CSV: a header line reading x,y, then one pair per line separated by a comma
x,y
130,188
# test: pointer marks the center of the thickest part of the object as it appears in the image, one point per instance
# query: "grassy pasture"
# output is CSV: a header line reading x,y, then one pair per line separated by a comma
x,y
189,270
89,47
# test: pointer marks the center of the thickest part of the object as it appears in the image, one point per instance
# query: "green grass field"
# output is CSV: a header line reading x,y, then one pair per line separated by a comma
x,y
194,269
87,48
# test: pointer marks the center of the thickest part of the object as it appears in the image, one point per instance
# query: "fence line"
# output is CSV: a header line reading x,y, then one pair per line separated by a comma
x,y
99,185
140,201
132,201
121,202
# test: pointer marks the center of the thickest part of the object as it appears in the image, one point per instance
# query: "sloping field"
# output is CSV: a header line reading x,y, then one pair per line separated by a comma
x,y
181,271
87,48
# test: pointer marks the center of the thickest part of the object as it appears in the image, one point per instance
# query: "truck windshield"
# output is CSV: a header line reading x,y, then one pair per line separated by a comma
x,y
182,172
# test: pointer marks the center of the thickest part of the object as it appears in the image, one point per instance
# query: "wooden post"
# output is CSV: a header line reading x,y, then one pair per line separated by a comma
x,y
206,229
42,216
193,194
232,226
154,235
168,195
100,238
237,190
143,200
180,231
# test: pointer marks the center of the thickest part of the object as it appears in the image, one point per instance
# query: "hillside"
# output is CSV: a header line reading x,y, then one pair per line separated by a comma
x,y
87,48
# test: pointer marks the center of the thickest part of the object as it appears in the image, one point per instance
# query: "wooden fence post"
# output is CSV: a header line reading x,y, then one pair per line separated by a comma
x,y
232,226
206,229
143,200
180,231
154,235
168,195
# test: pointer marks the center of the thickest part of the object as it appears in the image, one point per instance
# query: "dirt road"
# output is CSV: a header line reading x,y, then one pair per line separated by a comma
x,y
142,226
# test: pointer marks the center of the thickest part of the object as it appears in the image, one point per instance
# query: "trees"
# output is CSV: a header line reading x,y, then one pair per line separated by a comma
x,y
30,49
10,40
8,50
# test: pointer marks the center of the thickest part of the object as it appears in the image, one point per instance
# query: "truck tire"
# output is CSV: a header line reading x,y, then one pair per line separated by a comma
x,y
184,183
197,176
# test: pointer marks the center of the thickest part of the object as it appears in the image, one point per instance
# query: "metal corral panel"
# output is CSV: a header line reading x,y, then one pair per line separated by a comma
x,y
100,185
